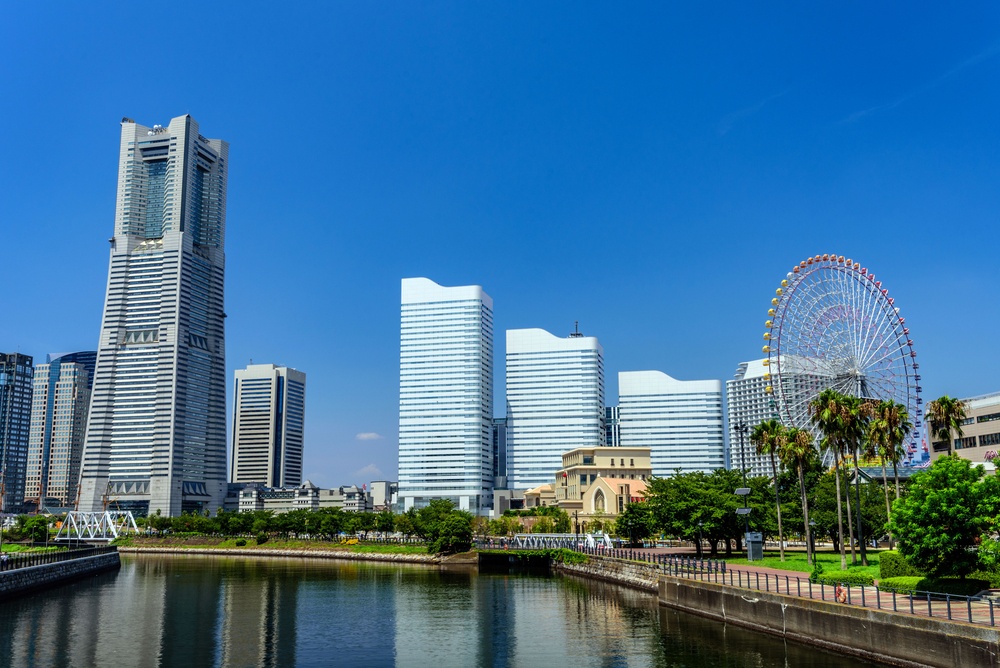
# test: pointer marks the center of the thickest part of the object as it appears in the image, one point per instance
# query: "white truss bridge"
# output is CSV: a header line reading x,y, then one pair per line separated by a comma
x,y
550,540
96,527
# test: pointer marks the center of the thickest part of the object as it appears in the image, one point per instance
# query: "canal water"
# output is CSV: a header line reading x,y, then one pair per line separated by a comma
x,y
216,611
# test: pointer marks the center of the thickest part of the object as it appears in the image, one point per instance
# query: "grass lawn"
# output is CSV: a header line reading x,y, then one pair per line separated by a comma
x,y
796,561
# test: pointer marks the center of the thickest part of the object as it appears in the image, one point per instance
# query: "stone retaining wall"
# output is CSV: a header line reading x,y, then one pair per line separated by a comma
x,y
893,638
299,554
22,580
634,574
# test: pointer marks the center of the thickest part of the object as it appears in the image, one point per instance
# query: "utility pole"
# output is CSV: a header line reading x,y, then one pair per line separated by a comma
x,y
741,429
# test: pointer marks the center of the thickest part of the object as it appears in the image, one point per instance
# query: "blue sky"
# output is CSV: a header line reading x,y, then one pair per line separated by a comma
x,y
649,170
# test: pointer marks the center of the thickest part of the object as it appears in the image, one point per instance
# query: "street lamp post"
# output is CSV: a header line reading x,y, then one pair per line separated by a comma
x,y
576,524
741,429
812,538
700,523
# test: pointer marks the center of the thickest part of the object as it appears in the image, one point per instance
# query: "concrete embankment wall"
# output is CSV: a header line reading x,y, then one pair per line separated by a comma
x,y
23,580
637,575
297,554
893,638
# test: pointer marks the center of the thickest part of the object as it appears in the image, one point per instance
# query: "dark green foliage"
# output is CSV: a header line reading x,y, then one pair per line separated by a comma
x,y
261,538
949,509
240,542
955,586
845,577
560,518
893,565
635,523
817,571
444,528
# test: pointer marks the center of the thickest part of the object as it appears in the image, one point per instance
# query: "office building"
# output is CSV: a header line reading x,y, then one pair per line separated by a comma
x,y
16,377
445,395
555,402
980,440
59,406
500,453
679,421
156,433
612,428
268,424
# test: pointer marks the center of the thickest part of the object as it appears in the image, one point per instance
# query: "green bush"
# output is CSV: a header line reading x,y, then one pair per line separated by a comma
x,y
893,565
955,586
993,577
240,542
845,577
261,538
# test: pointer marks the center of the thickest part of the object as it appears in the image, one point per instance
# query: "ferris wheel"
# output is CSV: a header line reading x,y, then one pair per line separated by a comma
x,y
832,324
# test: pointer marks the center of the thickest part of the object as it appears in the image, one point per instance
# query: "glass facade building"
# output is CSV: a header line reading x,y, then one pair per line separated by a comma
x,y
16,377
555,402
268,425
445,395
156,433
59,407
679,421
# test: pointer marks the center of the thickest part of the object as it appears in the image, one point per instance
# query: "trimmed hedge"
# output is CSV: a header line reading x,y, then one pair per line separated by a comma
x,y
954,586
845,577
891,564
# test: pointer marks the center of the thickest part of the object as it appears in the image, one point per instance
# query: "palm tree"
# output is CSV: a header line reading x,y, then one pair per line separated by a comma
x,y
797,448
887,432
826,412
945,416
769,437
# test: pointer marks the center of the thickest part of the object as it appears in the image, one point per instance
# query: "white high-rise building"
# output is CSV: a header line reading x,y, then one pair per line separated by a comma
x,y
555,402
445,395
748,403
680,421
268,424
156,433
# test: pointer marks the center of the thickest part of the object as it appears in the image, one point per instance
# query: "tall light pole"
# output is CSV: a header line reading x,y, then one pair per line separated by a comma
x,y
741,429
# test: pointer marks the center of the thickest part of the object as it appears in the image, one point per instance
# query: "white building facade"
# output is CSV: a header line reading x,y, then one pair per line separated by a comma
x,y
445,395
268,425
679,421
156,433
555,402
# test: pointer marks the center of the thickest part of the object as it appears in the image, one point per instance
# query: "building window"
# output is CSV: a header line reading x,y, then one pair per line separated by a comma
x,y
599,502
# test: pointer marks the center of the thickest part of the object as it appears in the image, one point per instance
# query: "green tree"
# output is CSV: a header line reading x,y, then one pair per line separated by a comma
x,y
946,513
768,437
827,411
796,452
385,522
452,533
635,523
543,524
35,529
887,432
944,416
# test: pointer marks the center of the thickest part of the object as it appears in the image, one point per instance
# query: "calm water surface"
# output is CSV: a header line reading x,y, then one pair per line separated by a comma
x,y
216,611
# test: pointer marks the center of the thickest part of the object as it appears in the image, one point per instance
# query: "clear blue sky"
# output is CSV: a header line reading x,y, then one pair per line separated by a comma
x,y
649,170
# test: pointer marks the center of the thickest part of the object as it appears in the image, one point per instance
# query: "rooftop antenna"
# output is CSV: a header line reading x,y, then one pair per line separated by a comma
x,y
575,334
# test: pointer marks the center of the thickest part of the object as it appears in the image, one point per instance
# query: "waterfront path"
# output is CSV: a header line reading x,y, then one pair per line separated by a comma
x,y
962,609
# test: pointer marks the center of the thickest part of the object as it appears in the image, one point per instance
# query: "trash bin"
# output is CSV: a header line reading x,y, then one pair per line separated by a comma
x,y
755,546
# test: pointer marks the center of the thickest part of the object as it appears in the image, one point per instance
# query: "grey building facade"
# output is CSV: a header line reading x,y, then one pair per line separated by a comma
x,y
156,433
16,376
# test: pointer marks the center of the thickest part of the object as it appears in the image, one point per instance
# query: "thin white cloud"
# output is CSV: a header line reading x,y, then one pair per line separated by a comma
x,y
727,123
368,436
919,90
370,472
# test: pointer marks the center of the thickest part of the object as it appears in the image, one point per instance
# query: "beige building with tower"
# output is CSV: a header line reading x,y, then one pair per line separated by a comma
x,y
595,484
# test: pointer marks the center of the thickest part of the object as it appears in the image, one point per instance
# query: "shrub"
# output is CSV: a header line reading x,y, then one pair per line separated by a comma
x,y
955,586
993,577
261,538
845,577
893,565
817,571
240,542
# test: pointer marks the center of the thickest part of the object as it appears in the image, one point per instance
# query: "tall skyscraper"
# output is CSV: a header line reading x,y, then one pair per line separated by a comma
x,y
59,406
680,421
16,375
156,434
268,424
555,402
445,395
748,403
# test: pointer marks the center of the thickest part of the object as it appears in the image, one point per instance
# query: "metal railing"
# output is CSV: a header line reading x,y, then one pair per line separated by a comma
x,y
11,561
954,607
